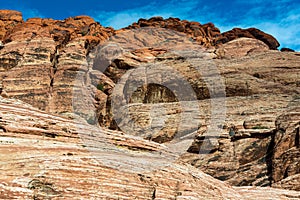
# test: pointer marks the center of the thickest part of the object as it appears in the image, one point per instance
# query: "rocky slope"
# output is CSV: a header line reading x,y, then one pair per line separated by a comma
x,y
177,96
43,157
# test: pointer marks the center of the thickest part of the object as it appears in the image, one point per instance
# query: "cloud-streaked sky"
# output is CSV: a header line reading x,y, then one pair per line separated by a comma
x,y
279,18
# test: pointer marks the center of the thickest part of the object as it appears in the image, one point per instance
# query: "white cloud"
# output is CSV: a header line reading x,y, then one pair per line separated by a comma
x,y
279,18
124,18
284,26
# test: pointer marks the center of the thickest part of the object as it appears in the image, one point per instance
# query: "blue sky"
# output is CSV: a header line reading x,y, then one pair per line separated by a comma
x,y
280,18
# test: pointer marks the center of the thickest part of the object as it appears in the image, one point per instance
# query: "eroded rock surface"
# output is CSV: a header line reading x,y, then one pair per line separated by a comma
x,y
161,76
285,159
40,58
206,34
258,90
249,33
42,156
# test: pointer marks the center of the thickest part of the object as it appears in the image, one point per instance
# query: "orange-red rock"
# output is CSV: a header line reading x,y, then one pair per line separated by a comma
x,y
9,19
249,33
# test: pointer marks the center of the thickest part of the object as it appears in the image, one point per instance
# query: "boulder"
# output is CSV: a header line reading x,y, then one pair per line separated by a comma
x,y
249,33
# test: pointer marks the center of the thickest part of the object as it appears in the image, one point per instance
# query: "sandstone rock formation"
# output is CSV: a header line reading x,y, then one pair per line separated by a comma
x,y
174,97
245,47
284,49
206,34
202,33
57,48
258,89
9,19
285,159
249,33
54,49
42,157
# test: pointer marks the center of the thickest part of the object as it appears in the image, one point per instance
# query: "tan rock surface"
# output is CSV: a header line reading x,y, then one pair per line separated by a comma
x,y
246,46
40,57
54,66
285,160
36,163
256,101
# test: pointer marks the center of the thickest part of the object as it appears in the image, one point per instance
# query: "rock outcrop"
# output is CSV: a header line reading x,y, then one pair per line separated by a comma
x,y
284,49
245,46
40,57
249,33
57,49
9,19
201,33
206,34
258,89
285,159
174,97
50,161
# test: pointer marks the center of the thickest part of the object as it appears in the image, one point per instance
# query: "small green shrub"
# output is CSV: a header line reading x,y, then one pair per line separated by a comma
x,y
83,33
100,87
260,127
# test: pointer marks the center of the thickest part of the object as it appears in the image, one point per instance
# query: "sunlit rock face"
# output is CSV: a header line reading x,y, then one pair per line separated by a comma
x,y
157,104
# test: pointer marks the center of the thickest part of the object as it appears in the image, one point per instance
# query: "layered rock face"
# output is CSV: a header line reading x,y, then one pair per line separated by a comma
x,y
40,58
9,19
58,49
252,109
206,34
42,157
285,159
138,112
